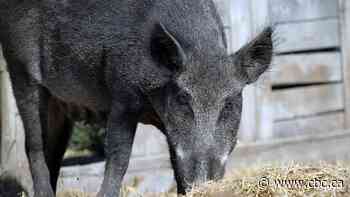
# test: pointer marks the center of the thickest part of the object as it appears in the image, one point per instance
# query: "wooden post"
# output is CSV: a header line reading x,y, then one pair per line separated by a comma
x,y
248,18
344,8
2,68
240,34
13,159
223,7
9,146
7,138
263,92
236,15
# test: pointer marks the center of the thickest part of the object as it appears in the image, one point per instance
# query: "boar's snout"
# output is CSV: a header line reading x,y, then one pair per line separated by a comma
x,y
196,168
207,169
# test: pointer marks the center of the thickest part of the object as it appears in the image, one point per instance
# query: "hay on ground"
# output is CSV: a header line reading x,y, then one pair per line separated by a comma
x,y
293,180
321,180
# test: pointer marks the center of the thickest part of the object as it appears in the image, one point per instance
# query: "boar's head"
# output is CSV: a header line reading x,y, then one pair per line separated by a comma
x,y
201,104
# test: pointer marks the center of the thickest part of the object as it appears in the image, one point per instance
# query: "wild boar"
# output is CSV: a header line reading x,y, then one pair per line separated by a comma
x,y
160,62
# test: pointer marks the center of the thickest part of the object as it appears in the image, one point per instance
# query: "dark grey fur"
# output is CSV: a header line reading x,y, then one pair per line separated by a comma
x,y
120,62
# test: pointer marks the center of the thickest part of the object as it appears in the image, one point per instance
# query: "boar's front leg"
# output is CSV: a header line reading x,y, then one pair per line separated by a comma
x,y
120,134
27,92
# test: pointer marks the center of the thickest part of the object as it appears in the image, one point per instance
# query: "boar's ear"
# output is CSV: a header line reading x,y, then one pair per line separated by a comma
x,y
166,50
255,58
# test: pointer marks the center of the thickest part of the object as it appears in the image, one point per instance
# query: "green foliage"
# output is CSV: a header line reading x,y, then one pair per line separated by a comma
x,y
88,137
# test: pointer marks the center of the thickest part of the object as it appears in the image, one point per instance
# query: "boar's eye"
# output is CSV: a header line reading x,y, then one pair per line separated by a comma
x,y
183,98
181,105
232,105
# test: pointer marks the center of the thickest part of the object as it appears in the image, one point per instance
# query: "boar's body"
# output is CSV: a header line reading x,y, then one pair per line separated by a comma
x,y
161,62
79,45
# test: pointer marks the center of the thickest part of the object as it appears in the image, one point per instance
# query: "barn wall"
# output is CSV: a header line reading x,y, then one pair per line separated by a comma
x,y
306,80
304,93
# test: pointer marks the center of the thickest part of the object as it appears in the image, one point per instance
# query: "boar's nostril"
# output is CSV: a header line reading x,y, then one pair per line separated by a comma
x,y
202,172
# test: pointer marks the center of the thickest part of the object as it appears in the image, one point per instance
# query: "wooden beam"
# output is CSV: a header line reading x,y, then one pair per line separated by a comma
x,y
241,23
313,125
307,68
224,10
344,6
223,7
248,19
306,101
8,138
263,92
2,61
300,10
310,35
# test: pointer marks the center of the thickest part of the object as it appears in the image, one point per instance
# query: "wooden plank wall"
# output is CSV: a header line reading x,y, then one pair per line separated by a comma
x,y
305,84
306,78
302,10
344,6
